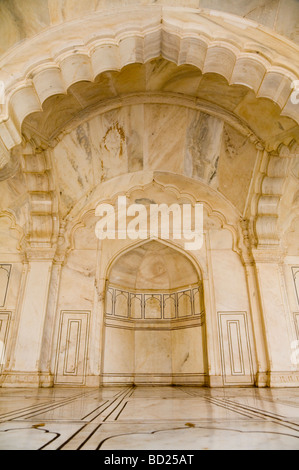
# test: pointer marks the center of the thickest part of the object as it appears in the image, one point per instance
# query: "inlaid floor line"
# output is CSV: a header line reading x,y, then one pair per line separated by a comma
x,y
141,433
197,427
67,402
279,402
121,411
67,441
190,394
110,404
255,410
46,431
267,414
90,418
214,401
235,408
22,410
118,395
48,407
129,393
89,437
51,442
6,416
78,431
167,429
93,411
258,414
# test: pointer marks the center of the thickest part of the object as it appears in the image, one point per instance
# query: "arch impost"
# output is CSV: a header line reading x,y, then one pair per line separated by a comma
x,y
264,255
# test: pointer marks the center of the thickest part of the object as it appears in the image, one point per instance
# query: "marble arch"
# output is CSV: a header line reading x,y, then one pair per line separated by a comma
x,y
106,254
157,303
177,186
194,102
182,38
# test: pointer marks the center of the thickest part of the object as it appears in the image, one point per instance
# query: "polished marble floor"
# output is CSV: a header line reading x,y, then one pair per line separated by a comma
x,y
149,418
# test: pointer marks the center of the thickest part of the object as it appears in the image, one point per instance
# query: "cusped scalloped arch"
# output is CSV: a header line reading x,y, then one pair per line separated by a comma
x,y
180,37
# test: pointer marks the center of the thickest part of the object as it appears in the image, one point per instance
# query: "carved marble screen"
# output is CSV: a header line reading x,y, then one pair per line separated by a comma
x,y
158,306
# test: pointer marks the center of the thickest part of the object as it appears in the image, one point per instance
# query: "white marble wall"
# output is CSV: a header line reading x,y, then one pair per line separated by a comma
x,y
156,348
76,348
159,129
151,356
11,273
73,346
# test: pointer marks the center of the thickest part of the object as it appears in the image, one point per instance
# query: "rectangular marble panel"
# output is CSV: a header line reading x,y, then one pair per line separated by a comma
x,y
296,320
235,348
153,306
72,348
5,270
198,305
169,306
121,304
73,343
295,271
109,301
4,328
184,304
136,306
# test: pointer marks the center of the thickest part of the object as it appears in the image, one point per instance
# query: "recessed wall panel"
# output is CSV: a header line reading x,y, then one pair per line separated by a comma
x,y
5,270
235,348
72,348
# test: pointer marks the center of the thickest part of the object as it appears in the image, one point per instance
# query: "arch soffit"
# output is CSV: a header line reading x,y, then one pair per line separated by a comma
x,y
264,63
170,244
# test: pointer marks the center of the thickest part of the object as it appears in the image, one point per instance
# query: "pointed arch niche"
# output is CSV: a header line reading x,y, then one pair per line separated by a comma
x,y
154,318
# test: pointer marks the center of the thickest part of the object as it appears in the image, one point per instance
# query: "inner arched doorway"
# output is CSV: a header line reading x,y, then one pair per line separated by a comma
x,y
154,318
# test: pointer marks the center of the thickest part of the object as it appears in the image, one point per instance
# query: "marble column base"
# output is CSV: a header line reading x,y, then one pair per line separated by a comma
x,y
93,381
262,379
215,381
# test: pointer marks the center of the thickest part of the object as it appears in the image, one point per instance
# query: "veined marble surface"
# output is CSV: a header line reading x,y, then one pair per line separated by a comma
x,y
142,418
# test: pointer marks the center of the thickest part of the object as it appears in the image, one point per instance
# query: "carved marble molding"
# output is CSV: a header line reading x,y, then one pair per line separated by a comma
x,y
179,187
265,255
43,222
17,229
152,309
81,50
272,188
11,168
